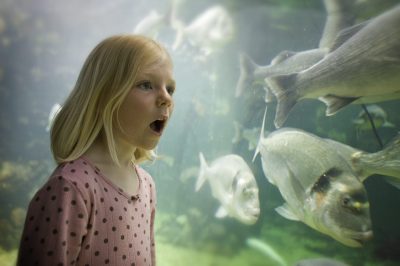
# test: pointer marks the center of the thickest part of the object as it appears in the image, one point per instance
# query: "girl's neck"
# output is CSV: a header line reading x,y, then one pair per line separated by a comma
x,y
122,175
99,154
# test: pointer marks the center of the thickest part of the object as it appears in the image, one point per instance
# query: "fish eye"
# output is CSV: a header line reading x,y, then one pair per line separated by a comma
x,y
248,192
235,181
333,172
346,201
323,183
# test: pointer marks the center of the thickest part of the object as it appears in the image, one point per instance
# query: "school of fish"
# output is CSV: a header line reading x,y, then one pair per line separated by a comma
x,y
320,180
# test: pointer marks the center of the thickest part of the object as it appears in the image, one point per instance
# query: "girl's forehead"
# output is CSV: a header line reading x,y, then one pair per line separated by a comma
x,y
157,67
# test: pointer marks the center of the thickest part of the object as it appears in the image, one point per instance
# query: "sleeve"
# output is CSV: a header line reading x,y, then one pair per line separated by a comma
x,y
55,225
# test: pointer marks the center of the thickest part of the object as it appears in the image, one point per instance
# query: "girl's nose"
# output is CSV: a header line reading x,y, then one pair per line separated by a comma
x,y
164,98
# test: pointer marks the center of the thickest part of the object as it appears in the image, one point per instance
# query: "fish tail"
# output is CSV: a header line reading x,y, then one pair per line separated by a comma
x,y
286,96
170,15
246,78
202,175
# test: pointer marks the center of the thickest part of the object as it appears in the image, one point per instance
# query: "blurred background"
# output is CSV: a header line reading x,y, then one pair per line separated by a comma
x,y
43,44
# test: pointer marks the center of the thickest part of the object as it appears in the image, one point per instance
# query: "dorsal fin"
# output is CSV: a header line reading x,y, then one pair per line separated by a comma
x,y
261,134
282,56
346,34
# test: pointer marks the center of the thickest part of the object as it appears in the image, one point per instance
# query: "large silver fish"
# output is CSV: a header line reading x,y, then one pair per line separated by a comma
x,y
318,185
285,63
289,62
233,185
363,67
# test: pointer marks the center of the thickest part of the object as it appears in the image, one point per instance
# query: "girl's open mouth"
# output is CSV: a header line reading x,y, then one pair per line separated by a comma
x,y
158,126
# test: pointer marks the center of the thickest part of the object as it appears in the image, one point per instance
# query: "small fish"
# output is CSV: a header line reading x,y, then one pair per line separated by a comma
x,y
249,134
208,31
317,184
363,66
385,162
233,185
153,22
378,115
53,112
320,262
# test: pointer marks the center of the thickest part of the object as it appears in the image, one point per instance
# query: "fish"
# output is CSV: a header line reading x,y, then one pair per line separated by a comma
x,y
266,250
209,31
249,134
385,162
289,62
320,262
318,185
340,15
154,22
233,184
363,66
286,62
53,112
378,115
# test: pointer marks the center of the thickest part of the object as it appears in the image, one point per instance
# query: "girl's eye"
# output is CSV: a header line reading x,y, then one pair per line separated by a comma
x,y
145,85
171,90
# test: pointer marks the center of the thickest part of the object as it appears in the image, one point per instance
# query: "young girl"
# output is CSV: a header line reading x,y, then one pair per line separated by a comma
x,y
98,206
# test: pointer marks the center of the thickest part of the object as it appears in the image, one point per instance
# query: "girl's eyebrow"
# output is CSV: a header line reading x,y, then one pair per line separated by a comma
x,y
172,82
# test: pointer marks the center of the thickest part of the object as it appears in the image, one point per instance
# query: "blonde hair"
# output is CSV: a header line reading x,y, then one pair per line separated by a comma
x,y
108,74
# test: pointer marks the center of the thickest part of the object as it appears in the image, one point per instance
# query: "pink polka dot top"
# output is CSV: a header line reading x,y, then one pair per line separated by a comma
x,y
79,217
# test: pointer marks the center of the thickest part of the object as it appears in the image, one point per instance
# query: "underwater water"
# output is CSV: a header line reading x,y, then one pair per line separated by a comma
x,y
42,47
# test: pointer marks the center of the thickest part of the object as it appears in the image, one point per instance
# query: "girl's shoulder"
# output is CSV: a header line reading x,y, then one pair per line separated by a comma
x,y
145,176
76,170
79,173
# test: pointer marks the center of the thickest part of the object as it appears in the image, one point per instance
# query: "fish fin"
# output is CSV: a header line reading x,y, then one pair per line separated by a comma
x,y
282,88
346,34
286,212
202,175
261,134
282,56
388,124
393,181
335,103
221,212
356,165
269,96
246,77
238,132
170,16
179,28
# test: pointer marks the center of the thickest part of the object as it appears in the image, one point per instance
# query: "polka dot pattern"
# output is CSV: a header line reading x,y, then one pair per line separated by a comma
x,y
79,217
